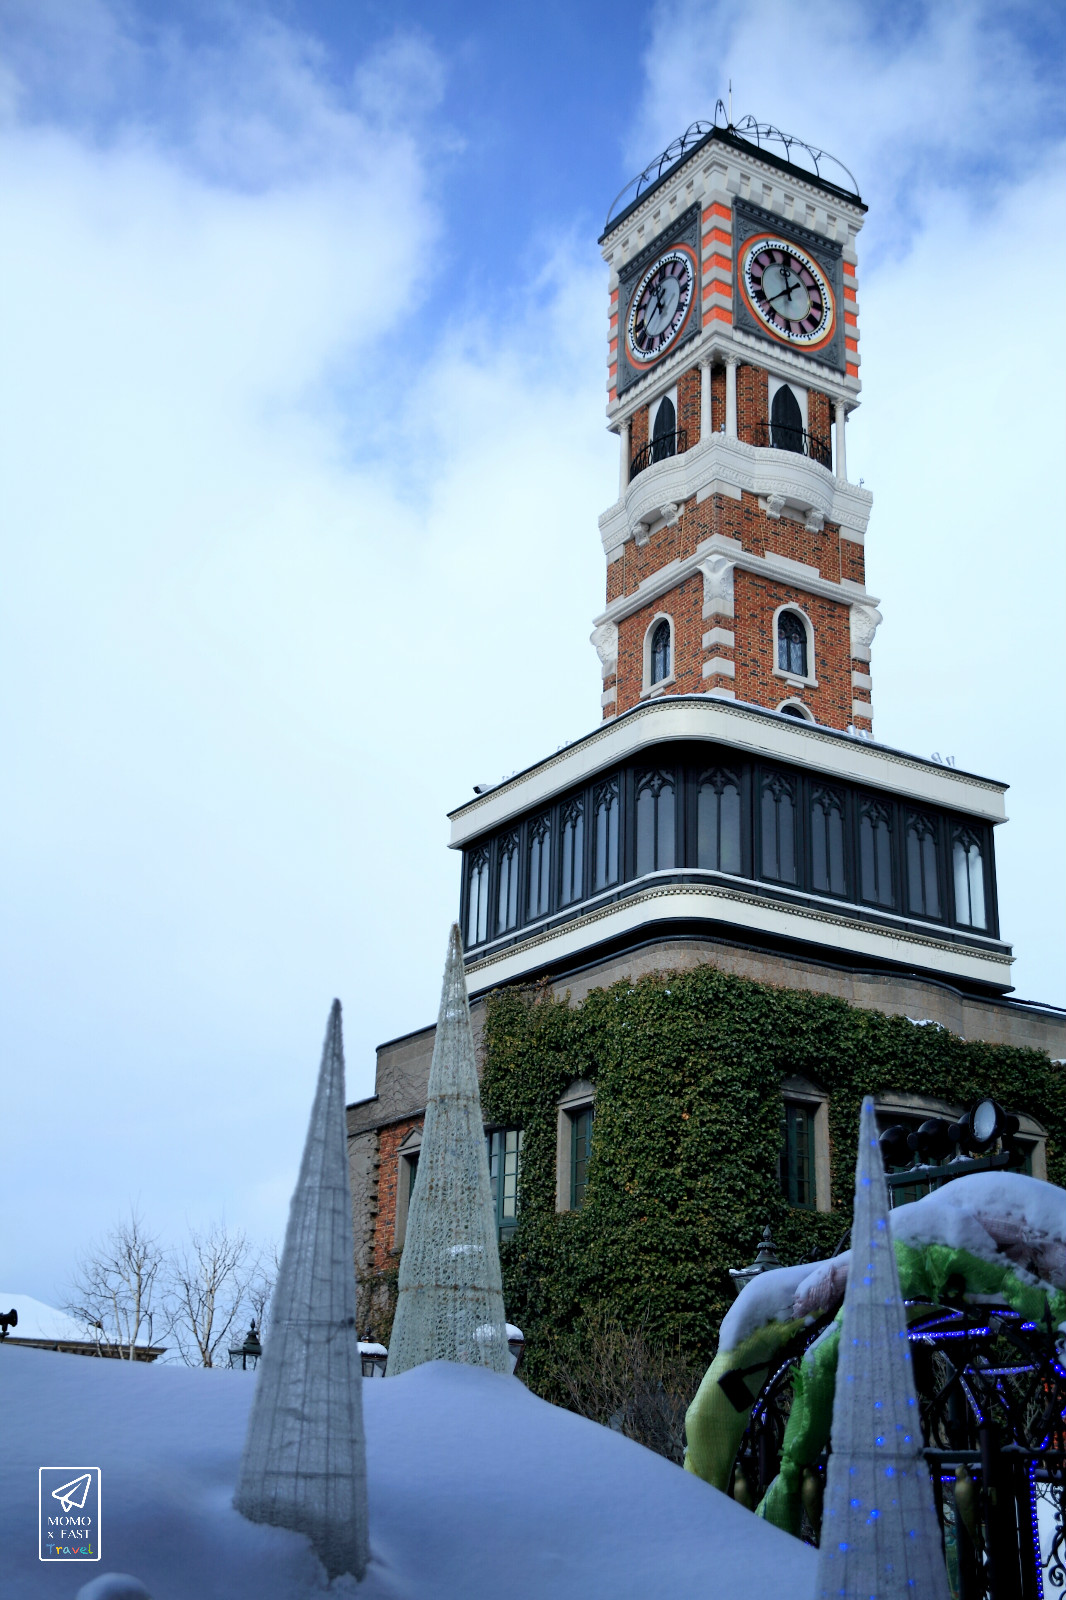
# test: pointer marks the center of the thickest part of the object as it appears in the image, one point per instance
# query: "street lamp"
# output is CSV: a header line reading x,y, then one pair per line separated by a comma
x,y
516,1344
373,1355
246,1355
766,1259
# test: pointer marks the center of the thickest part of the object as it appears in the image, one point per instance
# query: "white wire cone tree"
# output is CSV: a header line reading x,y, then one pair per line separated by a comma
x,y
449,1303
880,1534
304,1461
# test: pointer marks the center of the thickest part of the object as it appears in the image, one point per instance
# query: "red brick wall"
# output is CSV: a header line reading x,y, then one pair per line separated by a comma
x,y
389,1141
684,605
819,416
852,561
638,431
717,399
688,405
755,601
753,402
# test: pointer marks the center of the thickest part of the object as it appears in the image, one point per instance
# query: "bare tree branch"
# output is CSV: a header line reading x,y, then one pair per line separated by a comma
x,y
208,1285
115,1288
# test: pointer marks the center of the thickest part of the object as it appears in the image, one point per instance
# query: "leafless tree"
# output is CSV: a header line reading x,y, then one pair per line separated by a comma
x,y
208,1285
261,1286
626,1380
116,1289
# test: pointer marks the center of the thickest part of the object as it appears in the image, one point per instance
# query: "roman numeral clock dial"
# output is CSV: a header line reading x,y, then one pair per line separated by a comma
x,y
787,291
660,306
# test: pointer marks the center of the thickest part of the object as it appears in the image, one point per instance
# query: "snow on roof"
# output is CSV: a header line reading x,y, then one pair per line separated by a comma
x,y
997,1216
38,1321
477,1488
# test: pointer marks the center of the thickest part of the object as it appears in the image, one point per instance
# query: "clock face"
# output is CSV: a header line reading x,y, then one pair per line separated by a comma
x,y
660,305
787,290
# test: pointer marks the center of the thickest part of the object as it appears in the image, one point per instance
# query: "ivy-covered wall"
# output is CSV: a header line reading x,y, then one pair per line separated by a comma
x,y
688,1070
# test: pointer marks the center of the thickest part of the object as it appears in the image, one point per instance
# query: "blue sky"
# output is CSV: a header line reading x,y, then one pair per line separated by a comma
x,y
301,454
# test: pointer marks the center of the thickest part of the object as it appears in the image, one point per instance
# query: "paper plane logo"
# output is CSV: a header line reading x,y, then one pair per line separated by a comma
x,y
69,1513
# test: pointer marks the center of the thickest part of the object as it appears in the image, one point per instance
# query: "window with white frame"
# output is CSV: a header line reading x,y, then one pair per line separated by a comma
x,y
794,654
658,653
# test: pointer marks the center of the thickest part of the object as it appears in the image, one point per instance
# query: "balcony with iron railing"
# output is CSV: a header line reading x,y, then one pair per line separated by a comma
x,y
779,436
660,449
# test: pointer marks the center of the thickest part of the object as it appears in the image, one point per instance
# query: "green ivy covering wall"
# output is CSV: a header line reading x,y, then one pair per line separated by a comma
x,y
688,1070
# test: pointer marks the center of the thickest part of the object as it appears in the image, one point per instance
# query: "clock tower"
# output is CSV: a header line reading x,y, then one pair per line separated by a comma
x,y
734,550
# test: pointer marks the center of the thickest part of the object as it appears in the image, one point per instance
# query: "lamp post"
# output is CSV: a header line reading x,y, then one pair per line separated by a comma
x,y
766,1259
246,1355
373,1355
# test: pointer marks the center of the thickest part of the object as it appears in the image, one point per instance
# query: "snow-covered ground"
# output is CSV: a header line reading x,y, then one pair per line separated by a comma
x,y
477,1489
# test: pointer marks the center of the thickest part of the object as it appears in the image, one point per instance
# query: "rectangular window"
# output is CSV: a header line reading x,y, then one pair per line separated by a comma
x,y
540,849
606,809
875,853
796,1161
718,822
827,841
572,850
923,891
778,829
505,1173
655,822
580,1151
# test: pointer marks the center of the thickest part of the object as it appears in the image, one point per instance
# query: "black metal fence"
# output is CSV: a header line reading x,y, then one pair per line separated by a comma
x,y
667,444
776,436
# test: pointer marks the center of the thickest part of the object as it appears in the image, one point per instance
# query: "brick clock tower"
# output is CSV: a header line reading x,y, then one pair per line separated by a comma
x,y
735,547
732,805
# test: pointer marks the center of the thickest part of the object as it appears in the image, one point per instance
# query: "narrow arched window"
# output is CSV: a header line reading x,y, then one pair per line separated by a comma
x,y
792,644
572,850
605,810
477,899
660,652
827,840
718,822
778,828
875,853
923,889
540,842
664,433
655,822
508,883
786,421
969,872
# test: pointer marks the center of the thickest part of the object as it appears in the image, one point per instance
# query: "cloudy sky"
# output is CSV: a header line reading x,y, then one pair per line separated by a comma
x,y
301,454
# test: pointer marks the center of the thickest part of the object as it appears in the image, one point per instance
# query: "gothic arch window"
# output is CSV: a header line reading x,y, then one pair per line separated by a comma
x,y
572,851
664,430
477,899
605,811
540,848
786,421
875,853
923,876
827,841
718,821
793,654
969,874
507,877
655,822
778,818
658,652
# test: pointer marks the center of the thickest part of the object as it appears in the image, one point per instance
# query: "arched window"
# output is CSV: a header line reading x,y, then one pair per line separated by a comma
x,y
792,708
659,652
477,899
875,853
718,822
508,880
664,432
827,840
572,850
540,845
655,822
778,828
792,644
969,881
605,820
923,890
786,421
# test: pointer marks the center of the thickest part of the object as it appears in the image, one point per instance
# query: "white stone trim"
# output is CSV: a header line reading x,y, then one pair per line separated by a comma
x,y
862,680
808,678
862,708
721,464
719,636
807,715
798,389
609,696
743,728
719,664
670,394
737,905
